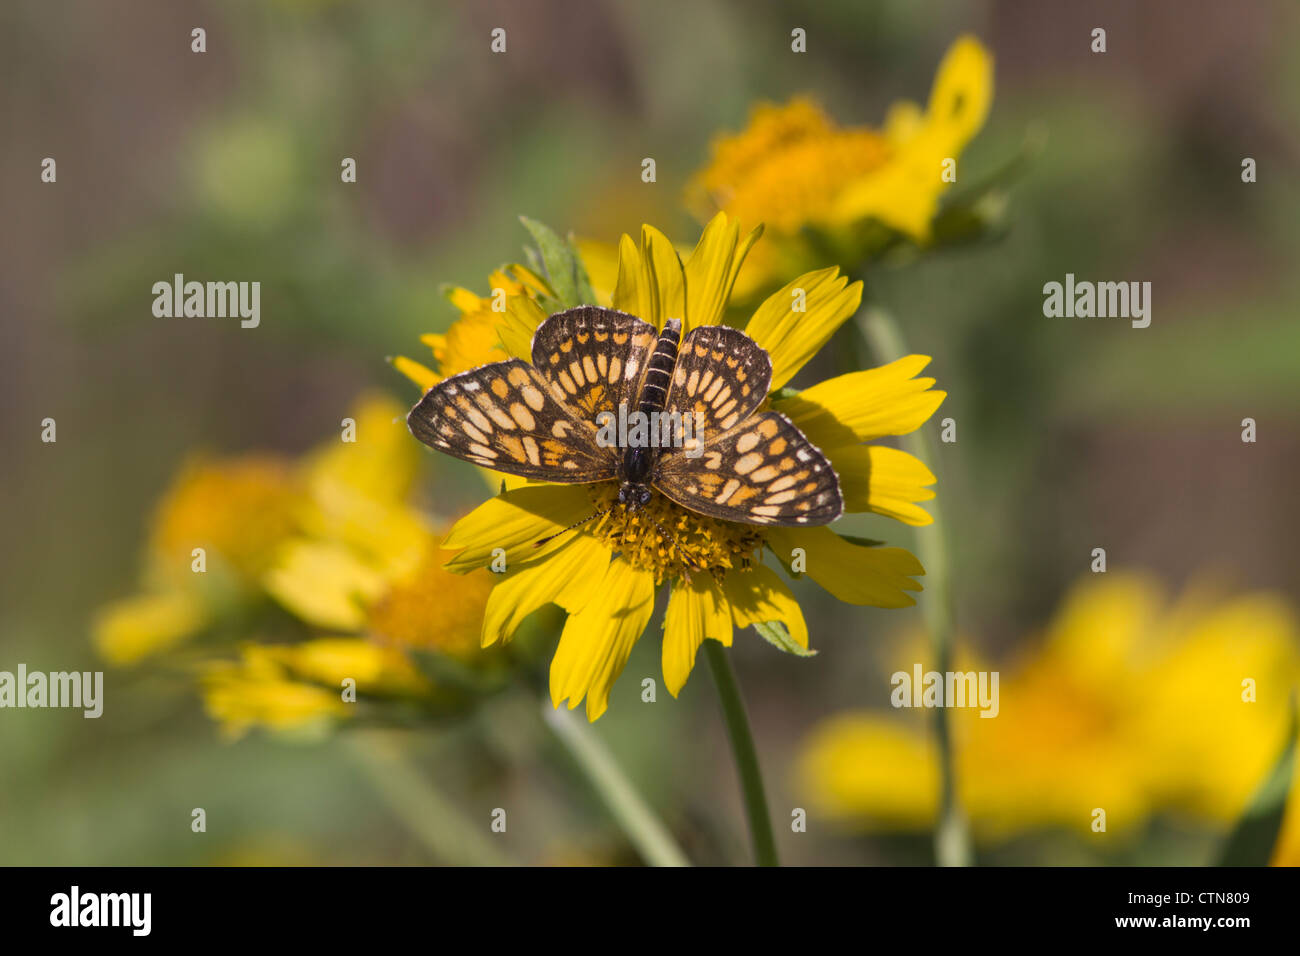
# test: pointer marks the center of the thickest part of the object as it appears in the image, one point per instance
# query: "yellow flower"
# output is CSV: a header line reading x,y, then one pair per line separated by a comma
x,y
300,687
794,168
332,538
239,511
1129,705
606,573
473,339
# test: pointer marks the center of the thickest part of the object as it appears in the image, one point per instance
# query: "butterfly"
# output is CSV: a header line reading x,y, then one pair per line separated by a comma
x,y
551,420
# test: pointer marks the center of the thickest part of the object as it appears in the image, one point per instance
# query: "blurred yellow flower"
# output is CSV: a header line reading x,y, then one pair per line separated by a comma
x,y
793,167
1130,704
333,539
606,573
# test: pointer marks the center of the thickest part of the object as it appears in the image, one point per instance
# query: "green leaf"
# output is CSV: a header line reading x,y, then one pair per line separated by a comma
x,y
564,269
785,391
1253,838
774,633
586,294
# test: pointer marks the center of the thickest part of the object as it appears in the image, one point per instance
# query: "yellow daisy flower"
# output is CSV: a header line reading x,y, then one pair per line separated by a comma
x,y
299,688
794,168
334,540
1131,705
472,339
605,574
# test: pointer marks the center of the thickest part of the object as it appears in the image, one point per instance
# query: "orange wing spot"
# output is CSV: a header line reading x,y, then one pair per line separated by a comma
x,y
768,428
592,400
583,337
601,336
743,495
717,356
555,358
732,361
701,350
566,346
620,338
499,387
777,447
513,446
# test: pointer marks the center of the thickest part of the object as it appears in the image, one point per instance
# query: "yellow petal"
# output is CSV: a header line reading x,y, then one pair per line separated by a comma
x,y
421,375
628,285
601,262
904,193
662,282
324,584
883,480
758,596
515,521
853,573
597,640
712,268
793,337
517,326
129,630
568,577
864,406
962,93
464,300
696,611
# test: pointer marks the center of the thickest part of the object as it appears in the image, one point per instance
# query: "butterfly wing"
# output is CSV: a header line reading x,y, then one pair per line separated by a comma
x,y
508,417
595,357
721,378
762,472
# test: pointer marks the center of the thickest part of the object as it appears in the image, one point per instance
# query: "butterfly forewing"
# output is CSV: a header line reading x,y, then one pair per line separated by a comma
x,y
594,356
762,472
507,417
721,378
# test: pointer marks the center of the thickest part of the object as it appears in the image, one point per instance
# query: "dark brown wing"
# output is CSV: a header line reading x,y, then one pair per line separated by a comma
x,y
507,417
721,378
762,472
595,356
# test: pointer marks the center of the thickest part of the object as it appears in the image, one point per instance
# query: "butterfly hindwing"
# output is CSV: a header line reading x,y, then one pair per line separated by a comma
x,y
763,471
507,417
721,378
595,357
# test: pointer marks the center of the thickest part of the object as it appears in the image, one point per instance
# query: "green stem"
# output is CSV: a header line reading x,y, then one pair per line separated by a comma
x,y
742,745
433,819
650,837
952,844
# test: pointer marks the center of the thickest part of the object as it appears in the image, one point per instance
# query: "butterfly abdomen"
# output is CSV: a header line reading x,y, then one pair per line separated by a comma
x,y
659,370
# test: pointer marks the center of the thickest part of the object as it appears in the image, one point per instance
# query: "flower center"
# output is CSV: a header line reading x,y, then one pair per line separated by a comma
x,y
669,540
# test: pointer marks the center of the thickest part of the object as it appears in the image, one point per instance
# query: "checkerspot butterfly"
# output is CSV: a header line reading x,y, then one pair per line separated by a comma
x,y
552,420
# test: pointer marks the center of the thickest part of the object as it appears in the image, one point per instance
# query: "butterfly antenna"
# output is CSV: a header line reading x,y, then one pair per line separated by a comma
x,y
577,524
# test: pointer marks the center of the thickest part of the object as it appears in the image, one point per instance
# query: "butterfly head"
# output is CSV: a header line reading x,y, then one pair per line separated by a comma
x,y
633,495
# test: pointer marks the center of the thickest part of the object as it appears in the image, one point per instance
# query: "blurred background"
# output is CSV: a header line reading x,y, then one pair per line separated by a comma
x,y
1073,434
